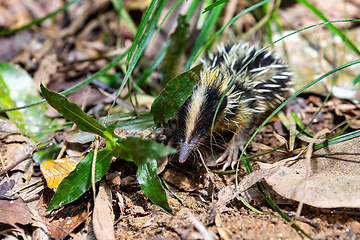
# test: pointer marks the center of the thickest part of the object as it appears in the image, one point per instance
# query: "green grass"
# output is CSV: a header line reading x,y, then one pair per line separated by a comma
x,y
209,25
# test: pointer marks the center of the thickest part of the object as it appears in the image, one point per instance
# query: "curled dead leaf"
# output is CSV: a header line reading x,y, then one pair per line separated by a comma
x,y
103,219
333,180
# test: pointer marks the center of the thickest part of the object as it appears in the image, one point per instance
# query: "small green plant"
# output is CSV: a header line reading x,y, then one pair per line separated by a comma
x,y
142,152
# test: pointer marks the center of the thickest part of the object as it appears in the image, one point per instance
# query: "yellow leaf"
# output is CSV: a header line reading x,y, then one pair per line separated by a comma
x,y
55,171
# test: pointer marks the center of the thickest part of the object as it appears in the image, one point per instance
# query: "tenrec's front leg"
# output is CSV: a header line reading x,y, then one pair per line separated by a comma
x,y
231,153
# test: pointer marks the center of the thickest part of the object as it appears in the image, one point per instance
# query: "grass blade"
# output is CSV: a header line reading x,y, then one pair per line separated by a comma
x,y
140,30
356,79
66,6
300,124
194,5
210,22
330,26
166,16
337,139
215,4
141,48
157,61
208,42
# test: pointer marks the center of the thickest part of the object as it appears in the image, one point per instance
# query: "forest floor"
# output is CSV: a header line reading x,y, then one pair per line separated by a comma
x,y
65,50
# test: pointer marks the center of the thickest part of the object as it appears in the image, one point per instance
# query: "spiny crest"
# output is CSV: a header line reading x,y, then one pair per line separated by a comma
x,y
213,77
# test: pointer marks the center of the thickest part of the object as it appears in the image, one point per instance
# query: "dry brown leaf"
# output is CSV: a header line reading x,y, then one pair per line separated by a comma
x,y
281,139
255,177
226,194
260,146
341,109
48,66
14,147
355,123
315,100
15,212
103,218
333,181
61,222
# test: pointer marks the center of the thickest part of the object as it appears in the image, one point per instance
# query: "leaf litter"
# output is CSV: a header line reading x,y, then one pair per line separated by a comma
x,y
103,218
130,214
330,181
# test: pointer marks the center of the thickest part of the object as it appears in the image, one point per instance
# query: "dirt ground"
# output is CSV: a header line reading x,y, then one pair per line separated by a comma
x,y
233,220
68,48
238,222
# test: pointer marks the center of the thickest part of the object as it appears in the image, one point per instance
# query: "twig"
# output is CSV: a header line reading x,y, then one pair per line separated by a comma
x,y
199,226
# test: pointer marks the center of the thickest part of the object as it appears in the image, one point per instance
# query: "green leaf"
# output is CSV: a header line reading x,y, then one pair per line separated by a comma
x,y
208,8
151,184
179,38
356,79
130,122
131,149
79,180
174,95
73,112
17,89
139,150
143,152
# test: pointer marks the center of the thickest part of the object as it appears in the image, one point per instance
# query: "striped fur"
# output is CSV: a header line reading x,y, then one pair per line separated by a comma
x,y
261,86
